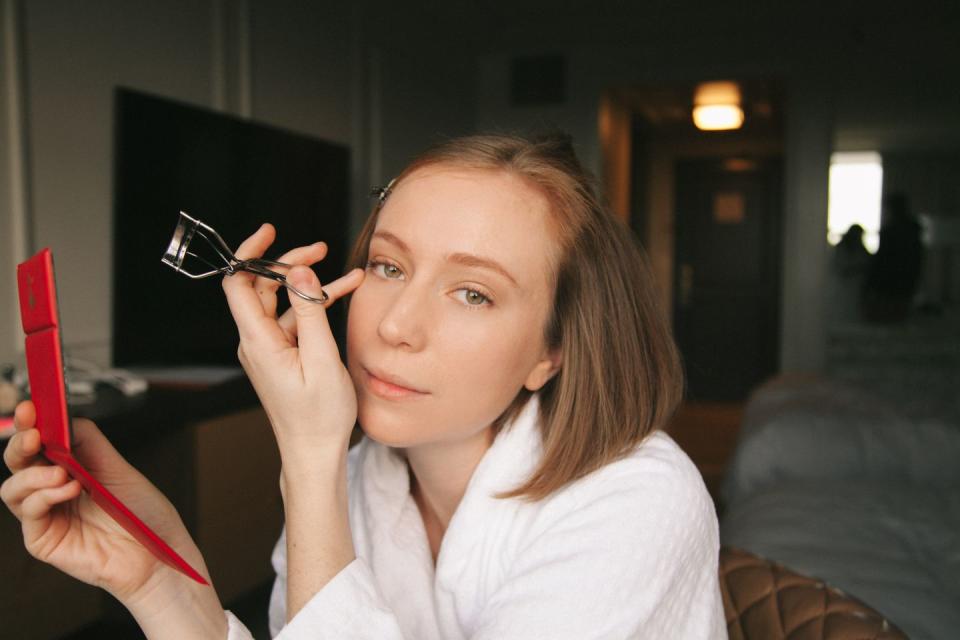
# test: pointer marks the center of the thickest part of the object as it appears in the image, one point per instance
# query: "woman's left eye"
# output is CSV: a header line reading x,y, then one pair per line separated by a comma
x,y
473,298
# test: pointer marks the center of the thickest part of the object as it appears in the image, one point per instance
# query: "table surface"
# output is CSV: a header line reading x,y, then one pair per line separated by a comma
x,y
161,409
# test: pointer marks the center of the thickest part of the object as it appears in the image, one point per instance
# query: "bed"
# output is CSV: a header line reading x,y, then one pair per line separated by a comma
x,y
852,485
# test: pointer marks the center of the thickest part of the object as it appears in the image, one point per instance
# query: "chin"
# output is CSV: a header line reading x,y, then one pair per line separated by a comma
x,y
382,436
406,431
389,430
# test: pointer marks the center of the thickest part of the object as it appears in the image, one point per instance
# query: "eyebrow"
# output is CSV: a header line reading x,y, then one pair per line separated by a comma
x,y
465,259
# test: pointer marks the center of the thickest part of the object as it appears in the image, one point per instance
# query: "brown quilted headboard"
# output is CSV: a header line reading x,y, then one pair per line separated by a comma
x,y
766,601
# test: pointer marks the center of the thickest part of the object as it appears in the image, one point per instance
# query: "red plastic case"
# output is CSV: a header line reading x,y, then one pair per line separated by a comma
x,y
41,322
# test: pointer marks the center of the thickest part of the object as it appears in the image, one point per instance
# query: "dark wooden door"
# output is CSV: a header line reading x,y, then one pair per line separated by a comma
x,y
727,274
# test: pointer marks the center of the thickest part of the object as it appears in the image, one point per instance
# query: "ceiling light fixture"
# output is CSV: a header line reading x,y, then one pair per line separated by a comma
x,y
716,106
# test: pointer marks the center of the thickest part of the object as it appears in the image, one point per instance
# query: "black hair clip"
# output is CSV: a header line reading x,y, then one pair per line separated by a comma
x,y
381,193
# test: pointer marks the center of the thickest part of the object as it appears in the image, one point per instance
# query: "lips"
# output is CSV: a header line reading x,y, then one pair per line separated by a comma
x,y
389,385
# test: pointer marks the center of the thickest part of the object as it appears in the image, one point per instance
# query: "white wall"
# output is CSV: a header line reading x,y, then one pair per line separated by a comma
x,y
300,66
807,147
76,53
11,182
578,115
307,67
425,96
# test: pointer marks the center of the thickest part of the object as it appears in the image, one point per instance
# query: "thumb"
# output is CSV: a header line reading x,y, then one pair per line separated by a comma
x,y
313,329
92,449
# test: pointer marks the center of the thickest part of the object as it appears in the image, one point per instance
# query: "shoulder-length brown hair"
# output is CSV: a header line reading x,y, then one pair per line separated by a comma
x,y
620,376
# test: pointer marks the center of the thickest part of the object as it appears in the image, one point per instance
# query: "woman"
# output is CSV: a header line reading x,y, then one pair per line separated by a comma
x,y
509,368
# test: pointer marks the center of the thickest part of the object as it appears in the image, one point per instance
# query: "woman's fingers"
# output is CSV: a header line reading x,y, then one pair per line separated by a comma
x,y
335,290
258,243
343,285
305,255
25,444
288,324
37,505
252,299
25,415
314,339
22,450
17,489
35,511
253,247
267,288
245,306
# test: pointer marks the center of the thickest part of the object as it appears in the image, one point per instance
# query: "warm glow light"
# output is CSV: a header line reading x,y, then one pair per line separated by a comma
x,y
718,117
716,106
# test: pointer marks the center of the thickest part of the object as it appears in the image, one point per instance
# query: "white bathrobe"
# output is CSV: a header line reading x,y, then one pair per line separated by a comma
x,y
629,551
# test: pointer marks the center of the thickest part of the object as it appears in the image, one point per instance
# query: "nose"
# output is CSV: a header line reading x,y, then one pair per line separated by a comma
x,y
403,322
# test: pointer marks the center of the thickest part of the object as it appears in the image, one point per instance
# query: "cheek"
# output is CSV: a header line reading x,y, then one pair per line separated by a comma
x,y
360,323
486,362
475,371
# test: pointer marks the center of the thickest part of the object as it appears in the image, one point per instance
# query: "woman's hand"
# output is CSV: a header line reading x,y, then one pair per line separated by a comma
x,y
62,526
293,362
294,365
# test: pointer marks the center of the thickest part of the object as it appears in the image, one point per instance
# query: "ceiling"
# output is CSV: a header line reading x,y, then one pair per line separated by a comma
x,y
892,66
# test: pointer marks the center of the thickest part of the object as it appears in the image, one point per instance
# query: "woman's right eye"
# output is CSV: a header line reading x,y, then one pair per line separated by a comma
x,y
385,269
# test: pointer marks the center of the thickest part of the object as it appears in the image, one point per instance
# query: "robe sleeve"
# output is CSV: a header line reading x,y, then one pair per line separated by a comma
x,y
235,628
349,606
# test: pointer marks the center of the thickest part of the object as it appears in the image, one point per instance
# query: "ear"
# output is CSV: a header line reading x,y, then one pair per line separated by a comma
x,y
544,370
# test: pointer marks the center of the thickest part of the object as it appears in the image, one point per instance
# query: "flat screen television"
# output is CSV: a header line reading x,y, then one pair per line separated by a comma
x,y
232,174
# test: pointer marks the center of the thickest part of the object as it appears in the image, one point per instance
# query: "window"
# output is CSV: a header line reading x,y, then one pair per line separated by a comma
x,y
856,183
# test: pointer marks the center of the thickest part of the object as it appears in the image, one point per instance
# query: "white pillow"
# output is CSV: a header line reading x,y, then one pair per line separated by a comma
x,y
824,431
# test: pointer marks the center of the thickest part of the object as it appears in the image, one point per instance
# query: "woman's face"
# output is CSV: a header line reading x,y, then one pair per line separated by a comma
x,y
448,323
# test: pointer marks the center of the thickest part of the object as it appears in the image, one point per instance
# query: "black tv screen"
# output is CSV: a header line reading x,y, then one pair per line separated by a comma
x,y
232,174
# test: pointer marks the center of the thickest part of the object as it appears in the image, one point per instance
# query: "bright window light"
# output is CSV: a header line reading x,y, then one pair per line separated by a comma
x,y
856,183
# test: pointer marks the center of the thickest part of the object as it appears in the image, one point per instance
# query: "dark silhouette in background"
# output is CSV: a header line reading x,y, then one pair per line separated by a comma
x,y
851,257
894,272
848,268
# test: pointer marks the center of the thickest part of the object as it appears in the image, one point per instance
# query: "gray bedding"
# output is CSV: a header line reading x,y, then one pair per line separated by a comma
x,y
838,484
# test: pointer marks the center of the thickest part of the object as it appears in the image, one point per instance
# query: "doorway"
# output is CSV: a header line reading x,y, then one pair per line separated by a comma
x,y
727,273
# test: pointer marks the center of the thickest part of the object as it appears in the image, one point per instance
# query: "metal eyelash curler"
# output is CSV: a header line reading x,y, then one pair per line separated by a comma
x,y
177,254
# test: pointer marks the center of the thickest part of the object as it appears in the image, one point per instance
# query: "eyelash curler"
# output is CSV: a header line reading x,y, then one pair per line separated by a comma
x,y
178,253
